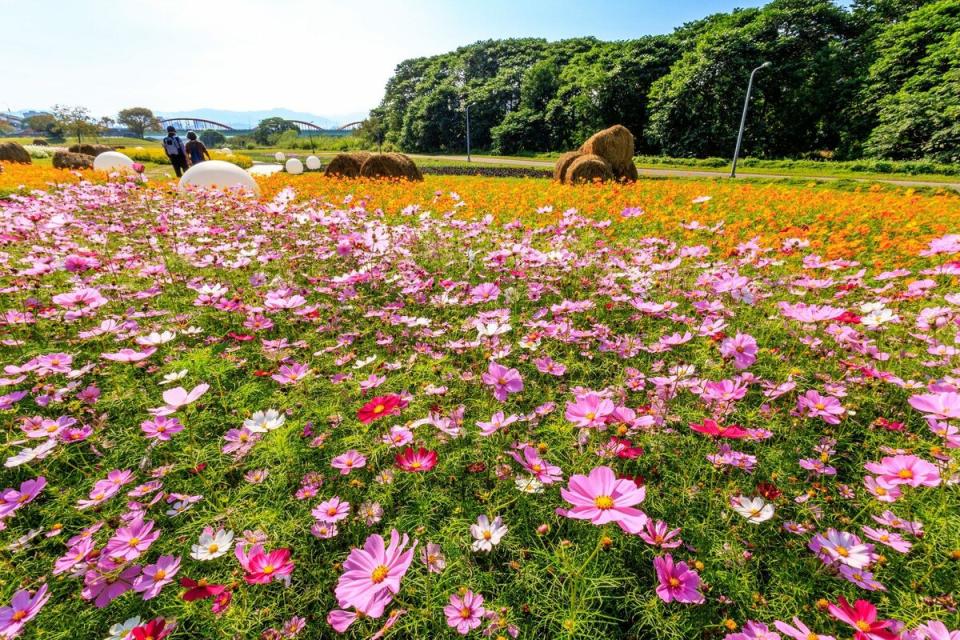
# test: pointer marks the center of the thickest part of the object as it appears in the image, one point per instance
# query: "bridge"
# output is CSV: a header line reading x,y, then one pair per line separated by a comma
x,y
189,123
195,124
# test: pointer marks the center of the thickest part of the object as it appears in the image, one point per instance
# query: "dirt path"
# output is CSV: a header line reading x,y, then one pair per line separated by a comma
x,y
698,173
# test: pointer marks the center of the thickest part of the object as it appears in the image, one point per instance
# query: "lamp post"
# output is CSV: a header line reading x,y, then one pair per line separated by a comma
x,y
743,119
468,132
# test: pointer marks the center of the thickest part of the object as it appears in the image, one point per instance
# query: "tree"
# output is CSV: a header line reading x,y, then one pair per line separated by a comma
x,y
270,129
43,123
138,120
74,121
212,138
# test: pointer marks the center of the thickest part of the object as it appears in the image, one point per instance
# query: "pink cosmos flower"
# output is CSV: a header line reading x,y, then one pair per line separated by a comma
x,y
540,468
713,428
129,355
348,461
936,630
465,611
332,510
23,608
660,535
813,405
76,554
13,499
890,538
418,460
944,405
291,373
862,616
105,587
497,421
178,397
156,576
486,292
742,348
129,542
678,582
503,380
341,620
263,567
753,630
799,631
905,469
842,547
374,571
161,428
589,411
602,498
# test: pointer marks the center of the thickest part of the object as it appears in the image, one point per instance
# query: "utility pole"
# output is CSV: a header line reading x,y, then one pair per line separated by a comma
x,y
468,132
743,119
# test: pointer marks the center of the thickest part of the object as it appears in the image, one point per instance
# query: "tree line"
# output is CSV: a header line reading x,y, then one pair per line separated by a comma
x,y
880,78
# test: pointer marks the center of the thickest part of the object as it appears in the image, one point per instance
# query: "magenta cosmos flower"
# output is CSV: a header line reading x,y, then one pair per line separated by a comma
x,y
742,348
602,498
332,510
23,608
589,411
503,380
904,469
540,468
156,576
161,428
862,616
465,612
13,499
814,405
373,570
416,460
944,405
678,582
132,540
263,567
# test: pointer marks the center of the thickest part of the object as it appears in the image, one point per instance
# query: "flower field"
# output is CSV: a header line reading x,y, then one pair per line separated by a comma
x,y
478,408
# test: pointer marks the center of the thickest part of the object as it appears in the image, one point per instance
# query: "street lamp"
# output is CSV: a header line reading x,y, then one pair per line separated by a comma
x,y
743,119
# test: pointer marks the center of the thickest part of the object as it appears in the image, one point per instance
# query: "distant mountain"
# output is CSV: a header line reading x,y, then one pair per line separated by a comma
x,y
249,119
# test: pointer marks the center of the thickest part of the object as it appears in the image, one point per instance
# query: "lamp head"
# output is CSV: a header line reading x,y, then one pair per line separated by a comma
x,y
766,64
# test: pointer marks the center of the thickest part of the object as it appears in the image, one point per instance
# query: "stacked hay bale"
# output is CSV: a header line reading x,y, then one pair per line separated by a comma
x,y
92,150
363,164
347,165
68,160
606,155
13,152
40,142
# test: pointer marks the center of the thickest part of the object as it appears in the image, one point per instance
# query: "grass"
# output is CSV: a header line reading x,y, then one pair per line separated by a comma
x,y
345,270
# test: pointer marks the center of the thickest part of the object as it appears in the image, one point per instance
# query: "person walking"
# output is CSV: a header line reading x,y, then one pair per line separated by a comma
x,y
196,150
175,150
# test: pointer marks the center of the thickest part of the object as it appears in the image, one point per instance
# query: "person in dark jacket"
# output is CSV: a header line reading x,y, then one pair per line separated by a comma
x,y
196,150
175,150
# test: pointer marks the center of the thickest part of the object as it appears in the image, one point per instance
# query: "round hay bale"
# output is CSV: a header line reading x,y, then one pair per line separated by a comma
x,y
346,165
68,160
40,142
615,145
563,163
13,152
89,149
587,168
381,165
628,174
408,167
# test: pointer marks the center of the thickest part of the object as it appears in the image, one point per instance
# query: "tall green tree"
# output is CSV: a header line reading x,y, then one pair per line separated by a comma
x,y
269,130
75,121
138,120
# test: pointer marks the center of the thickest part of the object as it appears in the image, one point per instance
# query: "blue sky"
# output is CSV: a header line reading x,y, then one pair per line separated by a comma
x,y
328,57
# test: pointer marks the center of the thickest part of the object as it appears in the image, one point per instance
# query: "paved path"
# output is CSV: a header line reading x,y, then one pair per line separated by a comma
x,y
698,173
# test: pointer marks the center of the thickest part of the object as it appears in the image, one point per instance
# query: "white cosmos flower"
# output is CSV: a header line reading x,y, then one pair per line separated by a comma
x,y
876,318
264,421
492,329
154,339
36,453
173,377
212,545
529,484
755,510
486,534
359,364
121,630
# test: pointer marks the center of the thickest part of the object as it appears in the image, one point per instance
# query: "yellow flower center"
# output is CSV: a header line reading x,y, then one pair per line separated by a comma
x,y
379,408
134,542
603,502
379,574
18,615
905,473
465,612
820,406
213,547
842,551
863,625
416,464
268,569
673,582
487,535
159,575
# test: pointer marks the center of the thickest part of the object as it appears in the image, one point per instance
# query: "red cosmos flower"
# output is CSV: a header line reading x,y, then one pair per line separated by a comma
x,y
200,590
240,337
379,407
156,629
862,616
417,461
889,425
711,428
848,317
625,449
769,490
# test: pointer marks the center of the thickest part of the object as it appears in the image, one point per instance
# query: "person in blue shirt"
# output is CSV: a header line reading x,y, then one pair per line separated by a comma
x,y
175,150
